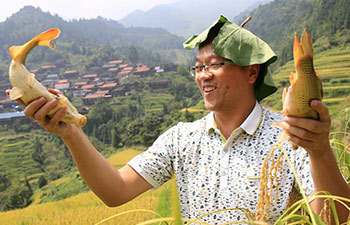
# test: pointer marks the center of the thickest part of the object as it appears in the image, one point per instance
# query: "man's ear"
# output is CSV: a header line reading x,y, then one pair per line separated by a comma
x,y
253,73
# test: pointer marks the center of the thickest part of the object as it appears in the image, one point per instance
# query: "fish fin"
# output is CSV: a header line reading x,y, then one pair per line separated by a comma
x,y
16,93
44,38
297,50
277,124
293,78
14,51
284,94
320,84
282,135
31,79
306,44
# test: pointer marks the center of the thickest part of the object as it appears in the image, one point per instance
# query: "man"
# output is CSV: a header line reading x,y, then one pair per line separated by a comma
x,y
216,160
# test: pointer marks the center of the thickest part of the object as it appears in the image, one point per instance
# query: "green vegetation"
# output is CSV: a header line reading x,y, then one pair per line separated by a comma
x,y
276,22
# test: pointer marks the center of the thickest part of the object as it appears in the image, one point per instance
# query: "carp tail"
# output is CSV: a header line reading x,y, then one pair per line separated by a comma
x,y
19,53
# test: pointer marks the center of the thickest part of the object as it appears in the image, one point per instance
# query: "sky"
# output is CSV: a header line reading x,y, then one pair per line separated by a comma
x,y
76,9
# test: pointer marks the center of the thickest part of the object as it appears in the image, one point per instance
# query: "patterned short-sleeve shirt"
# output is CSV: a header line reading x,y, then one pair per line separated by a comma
x,y
213,173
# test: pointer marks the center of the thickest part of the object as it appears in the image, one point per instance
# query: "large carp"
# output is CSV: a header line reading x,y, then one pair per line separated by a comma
x,y
305,83
26,88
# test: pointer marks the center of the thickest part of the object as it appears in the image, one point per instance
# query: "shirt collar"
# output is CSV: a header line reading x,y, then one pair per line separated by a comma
x,y
250,124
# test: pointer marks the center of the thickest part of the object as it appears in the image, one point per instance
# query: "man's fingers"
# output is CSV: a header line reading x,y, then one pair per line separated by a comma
x,y
300,142
41,114
298,132
58,116
33,107
54,91
311,125
322,110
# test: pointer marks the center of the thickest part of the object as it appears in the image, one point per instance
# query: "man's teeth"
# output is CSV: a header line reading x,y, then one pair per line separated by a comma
x,y
208,89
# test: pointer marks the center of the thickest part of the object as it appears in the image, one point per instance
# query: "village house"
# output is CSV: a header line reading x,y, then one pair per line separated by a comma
x,y
89,87
90,77
109,66
62,86
50,80
165,67
79,84
48,69
159,85
7,118
125,72
70,74
120,91
108,86
116,62
142,70
114,70
78,93
92,98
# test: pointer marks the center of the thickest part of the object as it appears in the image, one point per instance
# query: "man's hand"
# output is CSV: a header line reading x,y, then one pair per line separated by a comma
x,y
38,110
312,135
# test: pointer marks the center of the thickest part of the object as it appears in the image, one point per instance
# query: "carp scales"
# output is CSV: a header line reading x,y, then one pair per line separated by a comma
x,y
305,83
26,88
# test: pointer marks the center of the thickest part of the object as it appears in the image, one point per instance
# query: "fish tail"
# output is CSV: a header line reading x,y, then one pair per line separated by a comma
x,y
45,38
306,43
19,53
302,49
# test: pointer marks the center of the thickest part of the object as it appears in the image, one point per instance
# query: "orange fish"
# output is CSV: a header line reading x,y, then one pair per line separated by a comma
x,y
27,88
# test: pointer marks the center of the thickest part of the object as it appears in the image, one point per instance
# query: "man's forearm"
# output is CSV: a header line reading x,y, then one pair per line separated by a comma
x,y
98,173
327,177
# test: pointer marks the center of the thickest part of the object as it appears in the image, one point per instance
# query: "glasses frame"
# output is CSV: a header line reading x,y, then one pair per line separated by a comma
x,y
205,67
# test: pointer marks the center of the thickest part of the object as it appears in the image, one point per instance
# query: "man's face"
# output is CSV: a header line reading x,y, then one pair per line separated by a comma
x,y
225,89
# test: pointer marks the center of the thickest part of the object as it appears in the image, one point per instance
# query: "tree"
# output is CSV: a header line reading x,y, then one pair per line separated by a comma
x,y
4,183
42,182
133,55
38,154
133,132
116,138
150,130
17,196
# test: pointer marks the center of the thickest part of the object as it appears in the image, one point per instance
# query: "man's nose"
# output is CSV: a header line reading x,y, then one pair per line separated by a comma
x,y
205,74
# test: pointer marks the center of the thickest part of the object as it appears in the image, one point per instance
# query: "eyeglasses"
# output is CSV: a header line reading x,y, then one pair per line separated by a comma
x,y
211,68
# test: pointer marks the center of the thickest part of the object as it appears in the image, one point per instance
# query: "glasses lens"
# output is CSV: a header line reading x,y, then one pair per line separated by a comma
x,y
214,67
192,70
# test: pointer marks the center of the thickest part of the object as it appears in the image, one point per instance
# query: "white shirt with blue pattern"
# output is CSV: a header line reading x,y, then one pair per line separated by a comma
x,y
214,174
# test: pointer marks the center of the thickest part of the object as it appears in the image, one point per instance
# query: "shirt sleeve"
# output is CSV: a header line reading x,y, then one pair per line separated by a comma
x,y
302,167
155,164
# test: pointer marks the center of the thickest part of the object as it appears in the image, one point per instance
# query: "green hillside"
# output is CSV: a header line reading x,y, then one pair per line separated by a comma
x,y
276,22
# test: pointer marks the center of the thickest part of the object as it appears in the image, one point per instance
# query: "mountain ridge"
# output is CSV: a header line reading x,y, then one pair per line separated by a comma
x,y
185,18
